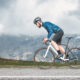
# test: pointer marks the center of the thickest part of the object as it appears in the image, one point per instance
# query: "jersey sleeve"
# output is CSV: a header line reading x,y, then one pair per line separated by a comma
x,y
50,32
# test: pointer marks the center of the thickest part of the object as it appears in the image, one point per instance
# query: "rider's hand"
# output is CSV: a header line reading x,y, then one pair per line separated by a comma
x,y
44,40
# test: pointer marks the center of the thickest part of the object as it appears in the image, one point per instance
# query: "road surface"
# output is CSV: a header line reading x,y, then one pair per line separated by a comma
x,y
39,74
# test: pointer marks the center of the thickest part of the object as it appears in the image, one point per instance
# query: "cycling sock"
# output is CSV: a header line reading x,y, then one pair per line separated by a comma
x,y
59,52
67,55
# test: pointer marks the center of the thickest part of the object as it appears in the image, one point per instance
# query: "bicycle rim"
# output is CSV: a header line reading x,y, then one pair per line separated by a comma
x,y
40,61
74,58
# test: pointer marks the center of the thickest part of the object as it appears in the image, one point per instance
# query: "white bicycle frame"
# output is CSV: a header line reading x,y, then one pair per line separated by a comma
x,y
52,48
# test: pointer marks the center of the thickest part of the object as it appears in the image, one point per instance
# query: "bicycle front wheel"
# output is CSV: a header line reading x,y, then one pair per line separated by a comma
x,y
44,62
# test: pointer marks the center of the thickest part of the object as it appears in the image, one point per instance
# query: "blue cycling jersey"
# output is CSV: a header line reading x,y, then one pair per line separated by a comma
x,y
51,28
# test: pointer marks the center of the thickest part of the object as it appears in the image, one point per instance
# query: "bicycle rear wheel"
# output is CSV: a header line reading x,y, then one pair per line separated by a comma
x,y
40,61
74,57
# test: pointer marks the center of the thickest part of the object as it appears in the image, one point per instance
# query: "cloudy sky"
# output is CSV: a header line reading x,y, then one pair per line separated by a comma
x,y
16,16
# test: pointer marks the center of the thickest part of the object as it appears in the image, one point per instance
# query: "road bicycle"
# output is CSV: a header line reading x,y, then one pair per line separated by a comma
x,y
45,57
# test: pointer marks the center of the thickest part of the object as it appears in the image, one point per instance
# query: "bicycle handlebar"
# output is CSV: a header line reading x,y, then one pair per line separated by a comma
x,y
47,42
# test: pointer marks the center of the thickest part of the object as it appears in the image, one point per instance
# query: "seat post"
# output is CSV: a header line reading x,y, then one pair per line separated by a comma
x,y
69,38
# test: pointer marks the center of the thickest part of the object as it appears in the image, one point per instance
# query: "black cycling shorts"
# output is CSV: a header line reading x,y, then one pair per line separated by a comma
x,y
58,37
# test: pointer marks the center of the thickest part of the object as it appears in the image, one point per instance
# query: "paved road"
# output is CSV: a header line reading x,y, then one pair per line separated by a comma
x,y
39,74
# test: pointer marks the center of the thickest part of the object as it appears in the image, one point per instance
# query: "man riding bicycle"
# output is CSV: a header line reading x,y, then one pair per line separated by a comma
x,y
55,34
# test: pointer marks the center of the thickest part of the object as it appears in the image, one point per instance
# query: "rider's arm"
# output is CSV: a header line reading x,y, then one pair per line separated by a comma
x,y
50,32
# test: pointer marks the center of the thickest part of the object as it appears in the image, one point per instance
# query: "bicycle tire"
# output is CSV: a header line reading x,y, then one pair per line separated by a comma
x,y
46,65
74,57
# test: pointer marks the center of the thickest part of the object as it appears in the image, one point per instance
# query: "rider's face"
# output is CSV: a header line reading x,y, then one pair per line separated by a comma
x,y
38,24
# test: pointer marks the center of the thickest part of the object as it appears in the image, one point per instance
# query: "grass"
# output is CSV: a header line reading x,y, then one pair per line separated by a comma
x,y
20,63
11,62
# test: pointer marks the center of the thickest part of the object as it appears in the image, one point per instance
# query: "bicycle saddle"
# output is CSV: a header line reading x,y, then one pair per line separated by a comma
x,y
69,37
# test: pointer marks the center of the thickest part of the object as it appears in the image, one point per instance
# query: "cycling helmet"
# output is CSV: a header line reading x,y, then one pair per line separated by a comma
x,y
36,20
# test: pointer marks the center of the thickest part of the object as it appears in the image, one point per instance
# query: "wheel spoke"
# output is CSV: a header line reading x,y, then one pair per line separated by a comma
x,y
74,56
41,61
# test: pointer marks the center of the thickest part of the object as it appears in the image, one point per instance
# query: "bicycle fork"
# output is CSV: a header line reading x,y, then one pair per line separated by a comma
x,y
46,52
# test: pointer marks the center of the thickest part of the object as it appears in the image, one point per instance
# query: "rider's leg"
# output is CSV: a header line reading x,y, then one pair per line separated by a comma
x,y
55,45
61,49
56,39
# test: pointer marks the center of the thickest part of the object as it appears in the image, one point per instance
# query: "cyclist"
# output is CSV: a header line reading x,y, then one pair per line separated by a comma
x,y
56,39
